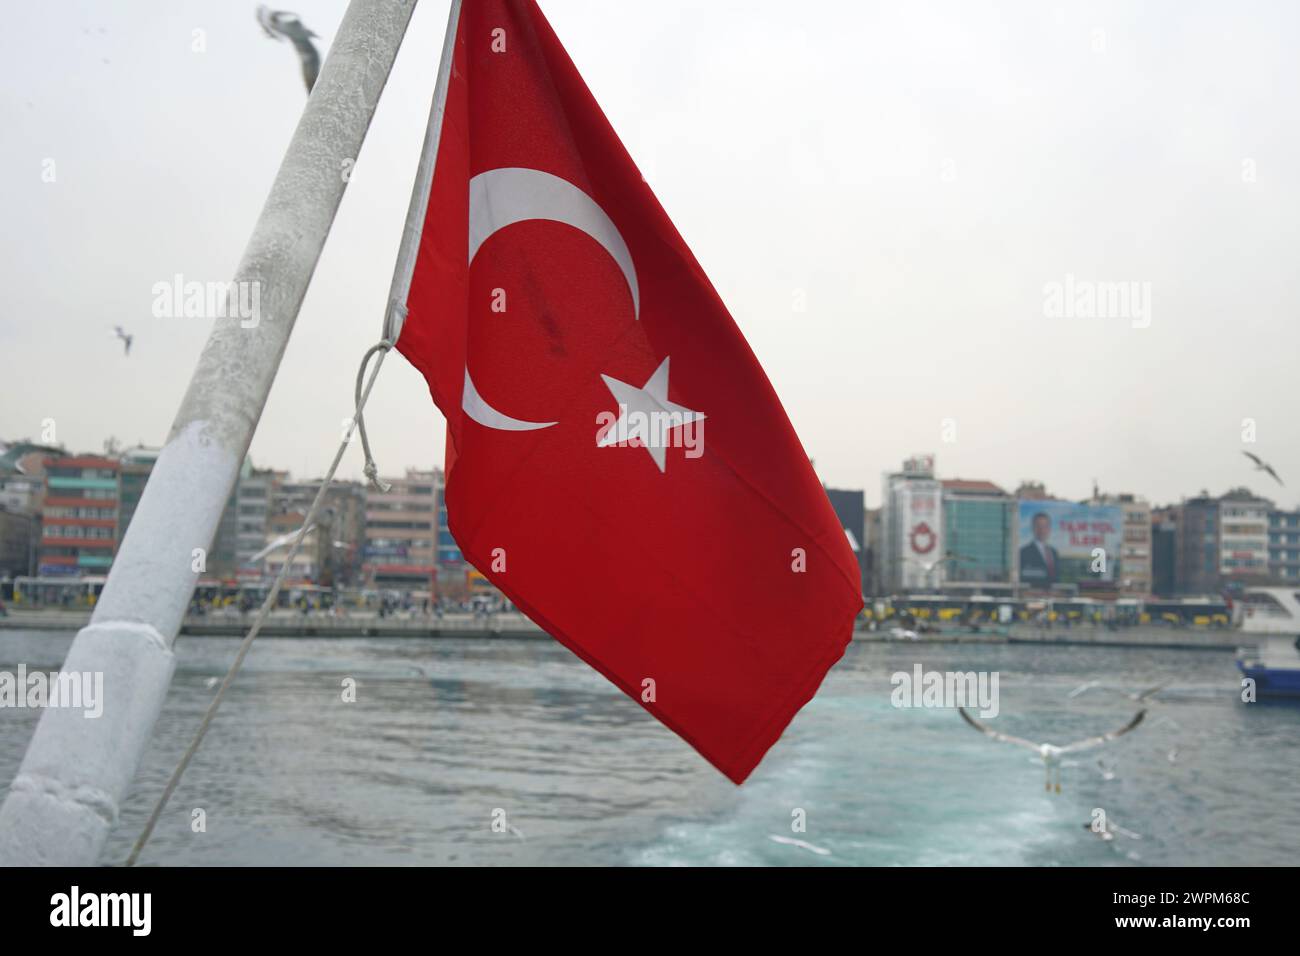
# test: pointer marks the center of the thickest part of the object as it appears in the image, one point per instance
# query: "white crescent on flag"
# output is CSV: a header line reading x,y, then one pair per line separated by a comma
x,y
503,197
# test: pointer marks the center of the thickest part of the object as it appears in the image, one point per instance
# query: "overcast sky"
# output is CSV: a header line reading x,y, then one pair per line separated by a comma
x,y
915,174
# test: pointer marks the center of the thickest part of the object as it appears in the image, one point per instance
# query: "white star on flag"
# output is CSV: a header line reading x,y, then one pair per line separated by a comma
x,y
646,415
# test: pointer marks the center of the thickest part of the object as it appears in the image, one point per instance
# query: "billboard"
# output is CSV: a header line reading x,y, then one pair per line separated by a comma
x,y
1058,542
920,532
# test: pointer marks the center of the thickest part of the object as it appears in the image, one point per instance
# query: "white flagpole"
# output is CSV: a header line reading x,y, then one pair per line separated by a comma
x,y
70,785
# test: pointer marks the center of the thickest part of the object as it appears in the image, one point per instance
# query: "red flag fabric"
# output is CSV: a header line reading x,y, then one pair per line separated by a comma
x,y
617,462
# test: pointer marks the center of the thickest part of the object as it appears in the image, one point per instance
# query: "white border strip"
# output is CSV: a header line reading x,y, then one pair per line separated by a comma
x,y
414,228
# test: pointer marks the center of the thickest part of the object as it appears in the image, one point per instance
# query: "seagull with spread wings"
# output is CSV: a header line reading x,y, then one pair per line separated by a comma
x,y
1262,465
1108,832
1050,753
1139,697
1149,693
801,844
1085,686
283,541
283,25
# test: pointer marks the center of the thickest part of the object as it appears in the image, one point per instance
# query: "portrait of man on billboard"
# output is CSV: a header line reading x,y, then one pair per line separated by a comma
x,y
1038,559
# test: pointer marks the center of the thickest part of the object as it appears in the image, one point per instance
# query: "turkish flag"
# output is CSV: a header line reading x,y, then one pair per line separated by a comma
x,y
617,462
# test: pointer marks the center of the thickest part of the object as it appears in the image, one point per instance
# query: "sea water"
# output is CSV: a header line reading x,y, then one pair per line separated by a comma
x,y
489,751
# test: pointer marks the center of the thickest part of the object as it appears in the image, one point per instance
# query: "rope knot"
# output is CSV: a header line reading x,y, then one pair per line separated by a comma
x,y
371,471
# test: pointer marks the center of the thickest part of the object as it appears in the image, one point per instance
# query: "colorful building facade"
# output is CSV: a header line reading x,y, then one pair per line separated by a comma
x,y
80,516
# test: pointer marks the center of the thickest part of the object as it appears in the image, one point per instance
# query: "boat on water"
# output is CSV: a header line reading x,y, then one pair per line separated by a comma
x,y
1272,617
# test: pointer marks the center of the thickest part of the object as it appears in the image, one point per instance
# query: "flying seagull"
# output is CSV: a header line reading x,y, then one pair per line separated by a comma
x,y
126,339
1111,829
1050,753
1262,465
282,541
801,844
1139,697
1149,692
282,25
1087,685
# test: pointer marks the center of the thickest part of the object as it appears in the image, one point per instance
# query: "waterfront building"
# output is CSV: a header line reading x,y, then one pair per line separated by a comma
x,y
979,527
1196,568
22,476
874,549
254,492
18,540
22,494
1134,573
912,528
1221,542
1164,551
400,550
341,519
1244,537
850,508
79,521
1284,545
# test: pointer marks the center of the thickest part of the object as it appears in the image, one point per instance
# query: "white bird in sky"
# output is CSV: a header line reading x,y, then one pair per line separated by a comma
x,y
282,25
1050,753
126,339
1262,465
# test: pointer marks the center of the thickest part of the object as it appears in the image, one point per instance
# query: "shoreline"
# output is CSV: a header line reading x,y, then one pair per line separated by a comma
x,y
518,627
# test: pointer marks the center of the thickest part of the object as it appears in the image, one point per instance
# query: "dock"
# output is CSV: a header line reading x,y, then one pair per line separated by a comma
x,y
293,624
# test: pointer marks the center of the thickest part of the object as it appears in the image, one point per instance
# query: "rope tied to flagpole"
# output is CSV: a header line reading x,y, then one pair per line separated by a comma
x,y
372,473
370,469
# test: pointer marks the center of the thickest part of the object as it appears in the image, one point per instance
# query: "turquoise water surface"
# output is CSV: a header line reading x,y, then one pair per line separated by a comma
x,y
447,735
